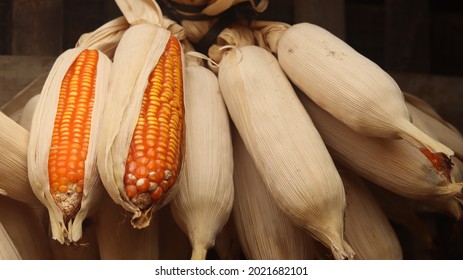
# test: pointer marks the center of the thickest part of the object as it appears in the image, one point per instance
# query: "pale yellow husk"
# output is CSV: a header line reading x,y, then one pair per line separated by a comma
x,y
27,232
40,142
106,37
393,164
349,86
136,56
265,232
13,148
284,144
118,240
8,250
203,203
368,230
28,112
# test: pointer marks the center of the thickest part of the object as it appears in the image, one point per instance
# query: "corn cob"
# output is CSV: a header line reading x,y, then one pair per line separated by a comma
x,y
13,147
368,230
270,118
393,164
204,201
61,153
256,216
352,88
118,240
140,155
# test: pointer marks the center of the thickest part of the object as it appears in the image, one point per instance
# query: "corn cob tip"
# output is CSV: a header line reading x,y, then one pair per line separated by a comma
x,y
343,252
199,253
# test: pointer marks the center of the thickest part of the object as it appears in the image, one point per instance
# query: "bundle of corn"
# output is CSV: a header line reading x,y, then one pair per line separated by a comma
x,y
281,139
205,197
65,127
140,151
26,231
256,216
13,147
118,240
393,164
368,230
346,84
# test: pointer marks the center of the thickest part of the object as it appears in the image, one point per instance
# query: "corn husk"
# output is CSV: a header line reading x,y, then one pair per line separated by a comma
x,y
283,143
136,55
265,232
27,232
392,164
8,250
118,240
203,203
346,84
87,249
368,230
173,242
13,147
227,244
435,126
66,219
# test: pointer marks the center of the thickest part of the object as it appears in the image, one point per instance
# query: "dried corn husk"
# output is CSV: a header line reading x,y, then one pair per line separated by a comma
x,y
393,164
346,84
265,232
27,232
437,128
28,112
136,55
173,242
13,148
203,203
368,230
283,143
8,250
227,243
87,249
66,225
118,240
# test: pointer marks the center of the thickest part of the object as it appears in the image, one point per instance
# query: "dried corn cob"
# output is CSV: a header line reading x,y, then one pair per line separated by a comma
x,y
13,147
61,155
296,167
352,88
140,154
393,164
368,230
265,232
204,201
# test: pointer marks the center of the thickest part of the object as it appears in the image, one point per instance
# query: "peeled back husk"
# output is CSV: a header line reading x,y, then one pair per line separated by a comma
x,y
136,56
349,86
284,144
203,203
13,169
66,227
368,230
265,232
392,164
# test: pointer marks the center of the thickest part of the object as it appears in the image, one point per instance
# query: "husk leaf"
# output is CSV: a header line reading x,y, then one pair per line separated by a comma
x,y
65,229
264,231
203,203
270,118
